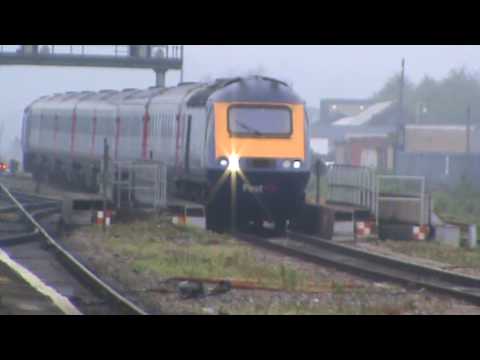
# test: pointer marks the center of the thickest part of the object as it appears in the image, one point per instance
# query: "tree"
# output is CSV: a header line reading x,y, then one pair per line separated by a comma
x,y
391,92
391,89
433,101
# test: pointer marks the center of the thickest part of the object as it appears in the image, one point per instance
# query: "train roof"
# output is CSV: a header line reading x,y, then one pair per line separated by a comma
x,y
256,89
251,89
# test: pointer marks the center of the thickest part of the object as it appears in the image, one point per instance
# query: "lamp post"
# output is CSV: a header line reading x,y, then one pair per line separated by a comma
x,y
422,110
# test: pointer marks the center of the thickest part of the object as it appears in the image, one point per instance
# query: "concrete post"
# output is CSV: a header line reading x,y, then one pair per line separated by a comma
x,y
472,237
160,78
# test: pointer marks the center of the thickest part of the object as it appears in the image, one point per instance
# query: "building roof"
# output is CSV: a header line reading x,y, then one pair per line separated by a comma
x,y
332,110
365,116
366,136
439,127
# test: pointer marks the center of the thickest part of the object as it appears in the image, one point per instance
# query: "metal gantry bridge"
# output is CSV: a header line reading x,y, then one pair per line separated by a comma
x,y
159,58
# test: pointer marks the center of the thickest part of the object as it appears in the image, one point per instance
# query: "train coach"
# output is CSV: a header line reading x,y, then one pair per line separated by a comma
x,y
239,143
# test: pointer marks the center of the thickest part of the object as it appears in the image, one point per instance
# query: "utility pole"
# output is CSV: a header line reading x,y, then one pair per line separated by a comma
x,y
469,129
400,128
401,122
105,178
468,146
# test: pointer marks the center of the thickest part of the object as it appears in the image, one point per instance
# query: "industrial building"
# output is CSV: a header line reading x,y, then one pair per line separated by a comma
x,y
358,132
448,139
365,133
447,155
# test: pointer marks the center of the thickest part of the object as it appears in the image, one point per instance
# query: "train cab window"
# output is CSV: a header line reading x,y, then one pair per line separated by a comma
x,y
260,121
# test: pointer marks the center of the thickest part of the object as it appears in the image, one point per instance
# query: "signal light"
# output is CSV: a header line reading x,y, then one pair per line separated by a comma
x,y
3,167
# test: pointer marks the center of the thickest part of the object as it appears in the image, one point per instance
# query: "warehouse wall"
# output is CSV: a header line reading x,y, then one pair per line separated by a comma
x,y
440,139
440,169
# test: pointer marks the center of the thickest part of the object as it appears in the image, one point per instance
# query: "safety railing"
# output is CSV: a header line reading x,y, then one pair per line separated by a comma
x,y
352,185
117,51
400,199
138,183
403,199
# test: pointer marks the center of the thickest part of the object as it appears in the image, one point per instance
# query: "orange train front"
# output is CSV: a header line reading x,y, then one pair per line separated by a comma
x,y
248,132
259,149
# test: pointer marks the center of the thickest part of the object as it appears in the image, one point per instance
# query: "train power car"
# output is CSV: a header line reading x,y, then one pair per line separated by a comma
x,y
238,143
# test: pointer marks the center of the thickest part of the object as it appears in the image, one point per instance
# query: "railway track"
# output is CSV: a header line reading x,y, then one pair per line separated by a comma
x,y
25,236
370,265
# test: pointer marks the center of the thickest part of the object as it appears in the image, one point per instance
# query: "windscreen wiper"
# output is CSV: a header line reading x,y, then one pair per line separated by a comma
x,y
249,129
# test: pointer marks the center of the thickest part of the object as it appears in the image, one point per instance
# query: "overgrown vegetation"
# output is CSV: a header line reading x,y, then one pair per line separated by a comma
x,y
456,257
156,251
157,246
460,205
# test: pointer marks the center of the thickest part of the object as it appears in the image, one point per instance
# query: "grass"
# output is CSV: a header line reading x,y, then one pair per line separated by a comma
x,y
461,205
158,247
155,247
457,257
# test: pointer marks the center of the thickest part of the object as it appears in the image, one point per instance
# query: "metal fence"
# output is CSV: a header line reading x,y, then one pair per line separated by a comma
x,y
395,199
352,185
402,199
138,183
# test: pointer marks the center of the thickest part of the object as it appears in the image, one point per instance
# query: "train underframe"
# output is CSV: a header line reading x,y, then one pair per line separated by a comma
x,y
275,197
257,197
80,174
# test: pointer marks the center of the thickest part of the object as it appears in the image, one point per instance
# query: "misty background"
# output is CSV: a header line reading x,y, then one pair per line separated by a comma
x,y
316,72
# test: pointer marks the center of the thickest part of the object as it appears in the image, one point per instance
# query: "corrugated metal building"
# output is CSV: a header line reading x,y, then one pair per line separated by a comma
x,y
439,152
451,139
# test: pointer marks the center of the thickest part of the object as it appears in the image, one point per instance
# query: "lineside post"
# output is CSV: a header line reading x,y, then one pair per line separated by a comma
x,y
233,186
317,173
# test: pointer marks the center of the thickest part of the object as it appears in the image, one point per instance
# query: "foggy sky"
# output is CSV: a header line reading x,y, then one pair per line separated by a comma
x,y
316,72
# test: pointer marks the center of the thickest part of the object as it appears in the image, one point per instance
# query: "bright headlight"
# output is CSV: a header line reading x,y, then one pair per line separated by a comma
x,y
234,163
223,163
297,164
286,164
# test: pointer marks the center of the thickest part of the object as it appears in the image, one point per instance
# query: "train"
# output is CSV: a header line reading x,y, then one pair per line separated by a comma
x,y
239,145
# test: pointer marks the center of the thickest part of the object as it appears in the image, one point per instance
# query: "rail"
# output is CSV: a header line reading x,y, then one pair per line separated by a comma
x,y
73,264
371,265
